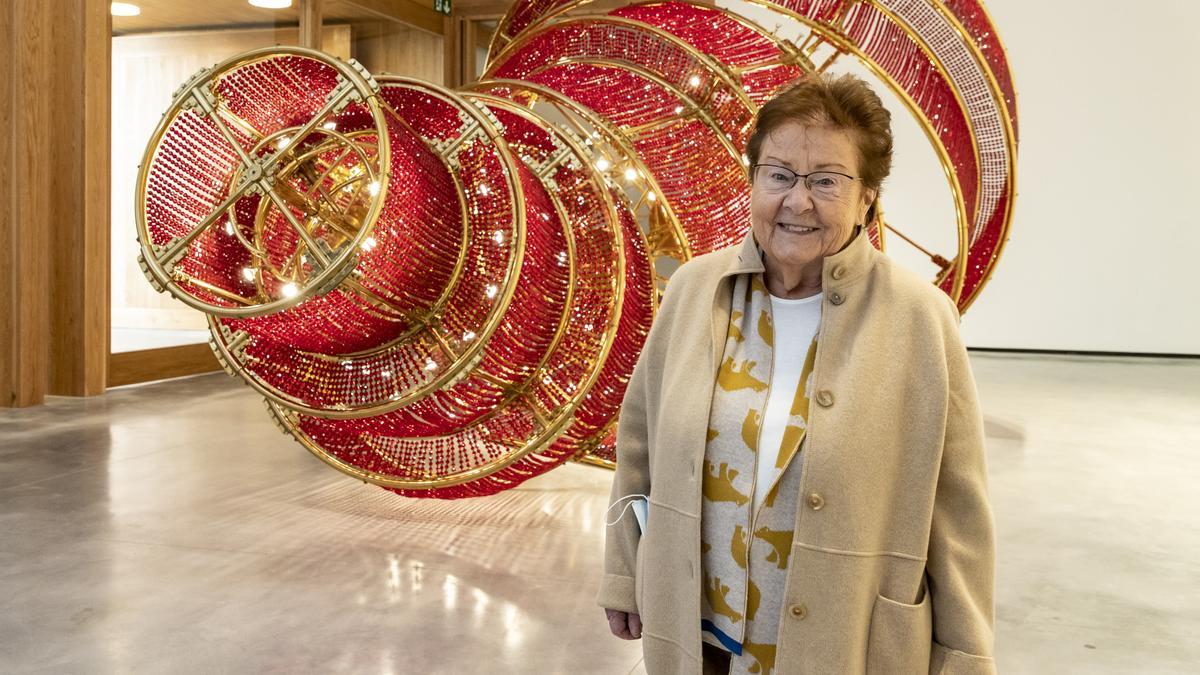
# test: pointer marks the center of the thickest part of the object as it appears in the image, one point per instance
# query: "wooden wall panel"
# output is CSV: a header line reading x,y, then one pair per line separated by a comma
x,y
29,34
159,364
79,213
390,47
53,335
8,231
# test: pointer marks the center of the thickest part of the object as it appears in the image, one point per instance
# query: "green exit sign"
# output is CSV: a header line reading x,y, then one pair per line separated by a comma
x,y
442,6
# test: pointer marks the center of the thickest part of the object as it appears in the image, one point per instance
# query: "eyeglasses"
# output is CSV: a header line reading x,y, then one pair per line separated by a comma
x,y
822,184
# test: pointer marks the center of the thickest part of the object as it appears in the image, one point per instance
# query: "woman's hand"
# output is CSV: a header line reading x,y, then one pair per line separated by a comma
x,y
625,625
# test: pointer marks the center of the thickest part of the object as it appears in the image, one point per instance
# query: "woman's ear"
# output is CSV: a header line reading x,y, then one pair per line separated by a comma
x,y
867,210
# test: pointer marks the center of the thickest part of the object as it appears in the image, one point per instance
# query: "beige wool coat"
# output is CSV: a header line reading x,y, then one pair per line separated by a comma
x,y
892,563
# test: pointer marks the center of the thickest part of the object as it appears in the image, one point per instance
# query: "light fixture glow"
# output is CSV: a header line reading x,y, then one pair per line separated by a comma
x,y
290,290
124,9
694,80
330,126
602,164
272,4
630,174
248,273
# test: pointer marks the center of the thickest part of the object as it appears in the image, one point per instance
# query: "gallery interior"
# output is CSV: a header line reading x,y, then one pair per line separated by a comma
x,y
316,316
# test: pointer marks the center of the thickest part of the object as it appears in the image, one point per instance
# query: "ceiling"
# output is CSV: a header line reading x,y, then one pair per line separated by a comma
x,y
164,15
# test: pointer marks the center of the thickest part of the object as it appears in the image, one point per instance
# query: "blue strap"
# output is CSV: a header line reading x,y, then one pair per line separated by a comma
x,y
730,645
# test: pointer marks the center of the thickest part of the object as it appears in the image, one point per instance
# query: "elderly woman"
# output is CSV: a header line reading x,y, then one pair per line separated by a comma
x,y
804,424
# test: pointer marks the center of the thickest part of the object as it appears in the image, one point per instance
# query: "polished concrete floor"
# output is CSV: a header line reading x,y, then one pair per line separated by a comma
x,y
170,528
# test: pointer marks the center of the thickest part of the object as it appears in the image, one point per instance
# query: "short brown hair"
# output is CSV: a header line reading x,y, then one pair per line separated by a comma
x,y
844,102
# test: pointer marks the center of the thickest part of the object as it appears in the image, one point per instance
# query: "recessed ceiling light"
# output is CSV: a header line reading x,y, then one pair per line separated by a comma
x,y
124,9
272,4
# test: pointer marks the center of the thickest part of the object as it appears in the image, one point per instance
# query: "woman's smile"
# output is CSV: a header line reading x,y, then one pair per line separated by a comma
x,y
791,228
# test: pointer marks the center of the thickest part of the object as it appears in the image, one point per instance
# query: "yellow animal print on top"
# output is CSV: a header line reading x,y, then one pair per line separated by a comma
x,y
780,541
792,435
735,332
769,502
800,400
712,433
764,657
731,379
757,285
750,428
718,487
738,546
705,547
765,330
753,598
716,592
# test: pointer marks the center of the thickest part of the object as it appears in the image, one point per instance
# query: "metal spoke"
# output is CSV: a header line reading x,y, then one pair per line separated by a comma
x,y
829,61
535,407
186,278
212,114
211,218
238,122
935,258
308,127
319,183
334,220
299,228
442,343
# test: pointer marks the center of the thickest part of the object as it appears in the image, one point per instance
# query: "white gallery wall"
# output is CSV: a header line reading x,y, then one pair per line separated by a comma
x,y
1104,253
1104,250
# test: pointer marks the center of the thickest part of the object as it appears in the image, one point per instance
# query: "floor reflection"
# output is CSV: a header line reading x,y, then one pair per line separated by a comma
x,y
170,528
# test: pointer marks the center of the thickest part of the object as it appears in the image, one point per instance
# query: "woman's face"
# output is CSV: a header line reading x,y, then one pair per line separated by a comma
x,y
797,228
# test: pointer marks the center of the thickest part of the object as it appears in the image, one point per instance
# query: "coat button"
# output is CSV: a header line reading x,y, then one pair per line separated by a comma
x,y
836,298
825,398
839,271
799,611
816,501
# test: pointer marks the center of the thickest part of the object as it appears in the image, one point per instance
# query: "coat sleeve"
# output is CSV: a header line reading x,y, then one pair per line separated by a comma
x,y
632,478
634,434
961,561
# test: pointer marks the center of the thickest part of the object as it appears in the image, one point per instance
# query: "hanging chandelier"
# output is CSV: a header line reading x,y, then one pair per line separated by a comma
x,y
444,292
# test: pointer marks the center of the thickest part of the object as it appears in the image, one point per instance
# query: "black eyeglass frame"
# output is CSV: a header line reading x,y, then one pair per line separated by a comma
x,y
797,176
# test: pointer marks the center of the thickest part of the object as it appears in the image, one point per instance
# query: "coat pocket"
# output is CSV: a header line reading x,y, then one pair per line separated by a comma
x,y
901,636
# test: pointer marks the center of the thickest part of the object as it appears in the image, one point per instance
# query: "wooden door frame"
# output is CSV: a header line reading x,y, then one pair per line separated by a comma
x,y
54,185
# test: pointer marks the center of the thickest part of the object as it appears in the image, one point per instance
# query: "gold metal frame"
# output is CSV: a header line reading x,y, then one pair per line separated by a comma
x,y
158,262
840,42
230,351
570,110
1009,135
558,421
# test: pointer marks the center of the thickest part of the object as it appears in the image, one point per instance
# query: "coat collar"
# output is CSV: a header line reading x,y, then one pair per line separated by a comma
x,y
837,271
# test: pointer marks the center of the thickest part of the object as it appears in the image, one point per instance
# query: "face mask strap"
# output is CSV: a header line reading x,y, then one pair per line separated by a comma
x,y
623,510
